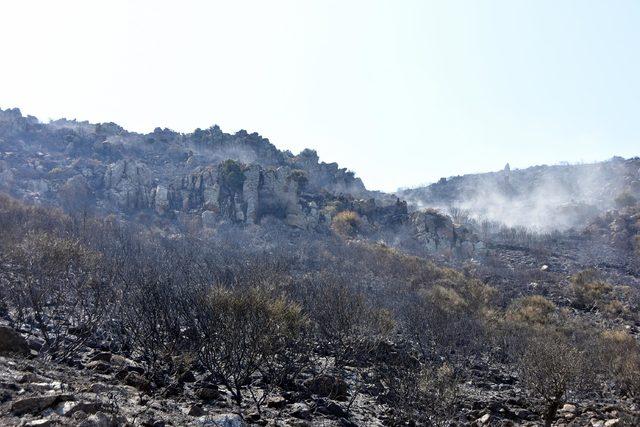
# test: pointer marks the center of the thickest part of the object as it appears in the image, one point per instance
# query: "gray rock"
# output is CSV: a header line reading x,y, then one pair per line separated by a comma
x,y
250,192
195,411
100,419
69,408
127,183
300,410
36,404
331,408
222,420
161,199
136,380
207,393
99,366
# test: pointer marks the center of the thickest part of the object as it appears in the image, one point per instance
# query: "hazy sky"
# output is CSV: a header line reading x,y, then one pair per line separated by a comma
x,y
401,92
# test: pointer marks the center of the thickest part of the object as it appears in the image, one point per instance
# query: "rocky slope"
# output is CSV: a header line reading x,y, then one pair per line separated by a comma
x,y
198,180
542,197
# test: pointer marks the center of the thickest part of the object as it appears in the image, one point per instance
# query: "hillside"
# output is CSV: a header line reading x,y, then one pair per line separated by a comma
x,y
544,198
211,279
198,182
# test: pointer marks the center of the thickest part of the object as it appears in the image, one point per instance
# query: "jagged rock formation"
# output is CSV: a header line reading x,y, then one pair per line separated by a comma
x,y
206,177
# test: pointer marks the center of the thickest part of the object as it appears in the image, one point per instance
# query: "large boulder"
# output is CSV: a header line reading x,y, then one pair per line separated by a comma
x,y
435,230
328,386
36,404
12,342
279,197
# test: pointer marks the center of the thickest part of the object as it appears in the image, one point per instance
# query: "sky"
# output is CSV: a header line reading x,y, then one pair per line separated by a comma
x,y
402,92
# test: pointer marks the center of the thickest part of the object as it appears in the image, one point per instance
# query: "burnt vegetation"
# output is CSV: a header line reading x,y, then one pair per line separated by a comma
x,y
212,279
338,324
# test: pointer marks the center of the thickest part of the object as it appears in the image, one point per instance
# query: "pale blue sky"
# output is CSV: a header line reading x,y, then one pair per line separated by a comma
x,y
401,92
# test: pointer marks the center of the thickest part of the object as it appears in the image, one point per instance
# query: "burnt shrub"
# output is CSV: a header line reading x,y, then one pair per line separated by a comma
x,y
245,332
443,324
620,354
550,367
348,326
58,290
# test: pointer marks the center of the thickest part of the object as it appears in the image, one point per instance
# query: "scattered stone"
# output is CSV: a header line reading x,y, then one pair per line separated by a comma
x,y
100,419
69,408
43,422
99,366
98,388
301,410
483,420
568,408
612,423
331,408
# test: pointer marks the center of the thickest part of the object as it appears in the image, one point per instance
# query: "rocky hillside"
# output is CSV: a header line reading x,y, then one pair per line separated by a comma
x,y
210,279
541,197
199,181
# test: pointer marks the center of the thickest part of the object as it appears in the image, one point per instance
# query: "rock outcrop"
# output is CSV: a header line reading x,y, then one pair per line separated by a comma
x,y
127,183
437,232
183,181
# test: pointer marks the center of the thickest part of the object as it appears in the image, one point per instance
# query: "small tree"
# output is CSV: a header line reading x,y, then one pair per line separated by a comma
x,y
550,368
349,326
245,332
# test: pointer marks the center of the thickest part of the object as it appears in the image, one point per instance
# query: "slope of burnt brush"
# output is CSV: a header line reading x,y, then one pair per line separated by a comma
x,y
341,332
